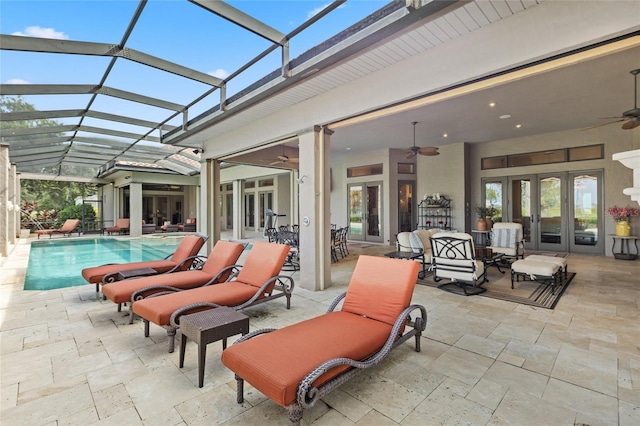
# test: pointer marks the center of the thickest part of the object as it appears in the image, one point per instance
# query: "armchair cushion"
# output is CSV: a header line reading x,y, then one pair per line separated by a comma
x,y
404,241
507,238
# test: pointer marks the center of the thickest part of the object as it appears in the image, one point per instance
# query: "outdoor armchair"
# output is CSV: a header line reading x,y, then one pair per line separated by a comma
x,y
215,269
257,281
507,238
453,258
297,365
180,260
121,227
67,228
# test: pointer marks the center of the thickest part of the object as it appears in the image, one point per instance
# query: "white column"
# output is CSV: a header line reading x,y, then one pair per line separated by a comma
x,y
18,203
238,210
314,196
214,205
14,227
135,209
4,200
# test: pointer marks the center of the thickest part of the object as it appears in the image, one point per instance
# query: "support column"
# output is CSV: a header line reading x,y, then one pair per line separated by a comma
x,y
314,196
135,209
214,207
4,200
18,202
14,227
238,210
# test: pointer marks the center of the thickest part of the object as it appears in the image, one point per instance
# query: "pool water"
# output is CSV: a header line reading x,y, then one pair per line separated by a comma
x,y
58,264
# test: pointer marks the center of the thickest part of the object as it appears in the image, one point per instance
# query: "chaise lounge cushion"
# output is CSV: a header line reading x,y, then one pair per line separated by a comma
x,y
189,246
379,290
224,253
278,373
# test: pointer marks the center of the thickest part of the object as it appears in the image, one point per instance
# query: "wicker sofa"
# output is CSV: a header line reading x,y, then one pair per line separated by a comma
x,y
297,365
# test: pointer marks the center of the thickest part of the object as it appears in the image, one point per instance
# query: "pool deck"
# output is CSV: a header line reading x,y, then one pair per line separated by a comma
x,y
68,357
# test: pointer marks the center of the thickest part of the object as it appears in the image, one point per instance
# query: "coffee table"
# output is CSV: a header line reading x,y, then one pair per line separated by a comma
x,y
210,326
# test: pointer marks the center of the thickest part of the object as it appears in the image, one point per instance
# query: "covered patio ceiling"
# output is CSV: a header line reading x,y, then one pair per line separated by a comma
x,y
77,129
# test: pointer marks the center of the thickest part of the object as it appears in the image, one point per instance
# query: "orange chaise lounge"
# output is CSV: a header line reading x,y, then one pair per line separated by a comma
x,y
217,268
180,260
121,227
257,281
297,365
67,228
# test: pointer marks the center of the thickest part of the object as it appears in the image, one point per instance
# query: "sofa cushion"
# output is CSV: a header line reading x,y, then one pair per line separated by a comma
x,y
378,279
276,362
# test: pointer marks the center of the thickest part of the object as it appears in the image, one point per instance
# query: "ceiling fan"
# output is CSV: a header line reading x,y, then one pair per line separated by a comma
x,y
283,159
630,119
415,150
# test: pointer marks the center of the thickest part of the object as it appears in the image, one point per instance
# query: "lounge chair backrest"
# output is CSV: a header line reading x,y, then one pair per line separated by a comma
x,y
189,246
224,253
380,288
70,225
123,223
264,261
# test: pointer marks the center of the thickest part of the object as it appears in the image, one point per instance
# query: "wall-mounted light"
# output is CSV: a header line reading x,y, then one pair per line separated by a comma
x,y
198,150
301,179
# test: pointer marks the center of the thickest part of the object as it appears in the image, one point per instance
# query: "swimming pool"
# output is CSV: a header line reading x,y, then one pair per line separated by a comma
x,y
58,264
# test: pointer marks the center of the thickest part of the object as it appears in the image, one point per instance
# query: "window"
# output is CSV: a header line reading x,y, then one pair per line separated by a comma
x,y
374,169
406,168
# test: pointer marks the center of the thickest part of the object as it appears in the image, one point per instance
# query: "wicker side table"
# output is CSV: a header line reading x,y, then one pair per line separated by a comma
x,y
131,273
210,326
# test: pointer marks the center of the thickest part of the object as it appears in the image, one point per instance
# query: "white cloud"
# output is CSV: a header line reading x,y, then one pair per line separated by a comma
x,y
317,10
36,31
17,81
220,73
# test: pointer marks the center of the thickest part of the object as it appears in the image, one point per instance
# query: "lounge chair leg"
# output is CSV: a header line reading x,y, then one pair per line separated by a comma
x,y
239,389
131,314
119,307
146,328
512,273
288,301
171,333
295,413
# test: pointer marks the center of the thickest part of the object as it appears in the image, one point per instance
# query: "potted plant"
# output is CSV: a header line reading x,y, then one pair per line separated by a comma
x,y
482,212
621,215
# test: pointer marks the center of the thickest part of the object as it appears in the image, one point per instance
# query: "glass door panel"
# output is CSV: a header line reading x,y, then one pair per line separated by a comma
x,y
229,211
266,202
586,208
523,207
356,215
374,210
249,211
552,229
365,209
406,215
493,197
162,209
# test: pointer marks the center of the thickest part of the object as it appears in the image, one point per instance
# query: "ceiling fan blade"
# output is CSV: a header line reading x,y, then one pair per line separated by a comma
x,y
610,118
600,125
276,162
430,153
631,124
294,160
427,149
283,158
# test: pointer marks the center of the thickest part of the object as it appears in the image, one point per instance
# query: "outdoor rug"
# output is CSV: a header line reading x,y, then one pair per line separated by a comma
x,y
499,287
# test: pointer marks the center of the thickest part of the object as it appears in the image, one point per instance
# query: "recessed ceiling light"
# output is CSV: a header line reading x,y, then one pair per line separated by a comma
x,y
518,126
502,117
492,104
348,149
445,135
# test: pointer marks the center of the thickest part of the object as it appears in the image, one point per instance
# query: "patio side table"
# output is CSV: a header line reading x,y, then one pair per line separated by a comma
x,y
624,253
210,326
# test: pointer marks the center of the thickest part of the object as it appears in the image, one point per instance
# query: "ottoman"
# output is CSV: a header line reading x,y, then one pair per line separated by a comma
x,y
560,261
536,270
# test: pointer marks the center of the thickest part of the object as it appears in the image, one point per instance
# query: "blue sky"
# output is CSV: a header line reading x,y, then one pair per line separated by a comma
x,y
174,30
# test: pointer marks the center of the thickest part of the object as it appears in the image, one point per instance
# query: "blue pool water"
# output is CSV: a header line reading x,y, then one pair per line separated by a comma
x,y
58,264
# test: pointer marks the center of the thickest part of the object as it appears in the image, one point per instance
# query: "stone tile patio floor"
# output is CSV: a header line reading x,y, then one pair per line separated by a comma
x,y
68,358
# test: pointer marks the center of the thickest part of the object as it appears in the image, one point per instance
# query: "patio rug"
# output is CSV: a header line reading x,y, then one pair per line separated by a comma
x,y
499,287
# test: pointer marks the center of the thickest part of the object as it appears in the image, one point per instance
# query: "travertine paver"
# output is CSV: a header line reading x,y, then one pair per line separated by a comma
x,y
69,358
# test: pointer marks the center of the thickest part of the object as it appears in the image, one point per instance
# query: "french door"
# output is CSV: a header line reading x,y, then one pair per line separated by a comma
x,y
365,210
559,212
